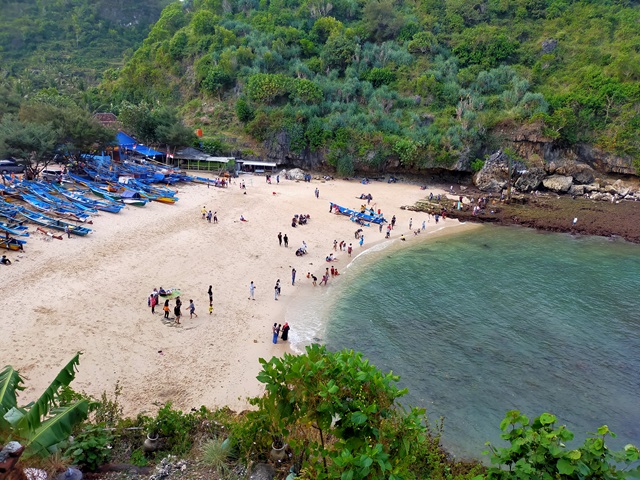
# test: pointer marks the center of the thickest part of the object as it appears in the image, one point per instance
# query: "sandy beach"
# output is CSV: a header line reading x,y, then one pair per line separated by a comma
x,y
90,294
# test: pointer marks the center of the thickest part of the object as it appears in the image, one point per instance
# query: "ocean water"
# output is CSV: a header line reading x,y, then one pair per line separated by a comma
x,y
495,319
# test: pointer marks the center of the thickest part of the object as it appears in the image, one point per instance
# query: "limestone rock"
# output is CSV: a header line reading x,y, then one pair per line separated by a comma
x,y
296,174
494,175
558,183
262,471
530,180
576,190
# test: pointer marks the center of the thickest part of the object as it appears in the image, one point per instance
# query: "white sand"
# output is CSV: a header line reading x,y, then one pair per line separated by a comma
x,y
90,294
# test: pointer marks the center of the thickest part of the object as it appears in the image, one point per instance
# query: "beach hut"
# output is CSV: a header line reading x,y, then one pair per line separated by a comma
x,y
256,166
193,159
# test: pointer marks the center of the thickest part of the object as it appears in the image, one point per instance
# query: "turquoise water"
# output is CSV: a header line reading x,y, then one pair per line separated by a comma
x,y
497,319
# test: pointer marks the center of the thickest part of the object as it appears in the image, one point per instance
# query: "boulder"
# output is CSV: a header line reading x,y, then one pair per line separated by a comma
x,y
576,190
296,174
494,175
593,187
530,180
583,174
558,183
262,471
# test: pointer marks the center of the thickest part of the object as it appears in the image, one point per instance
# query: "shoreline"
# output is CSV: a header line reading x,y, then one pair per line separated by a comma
x,y
90,294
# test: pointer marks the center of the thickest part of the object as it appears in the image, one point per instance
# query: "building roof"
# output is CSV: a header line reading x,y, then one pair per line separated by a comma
x,y
258,164
191,153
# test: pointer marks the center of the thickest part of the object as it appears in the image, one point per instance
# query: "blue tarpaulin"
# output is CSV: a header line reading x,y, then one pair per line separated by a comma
x,y
130,143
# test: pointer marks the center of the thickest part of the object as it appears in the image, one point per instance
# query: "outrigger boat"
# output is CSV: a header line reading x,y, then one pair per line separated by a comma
x,y
378,219
45,221
12,243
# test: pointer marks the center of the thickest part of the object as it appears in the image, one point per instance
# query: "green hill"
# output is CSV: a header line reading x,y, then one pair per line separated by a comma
x,y
376,83
68,43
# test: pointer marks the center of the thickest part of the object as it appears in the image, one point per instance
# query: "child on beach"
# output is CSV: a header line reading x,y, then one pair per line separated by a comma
x,y
192,309
166,309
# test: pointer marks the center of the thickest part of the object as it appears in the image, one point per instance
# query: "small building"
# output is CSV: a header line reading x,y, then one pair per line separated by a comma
x,y
256,166
193,159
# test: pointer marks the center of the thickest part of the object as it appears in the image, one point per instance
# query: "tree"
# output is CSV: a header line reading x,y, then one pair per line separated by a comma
x,y
340,414
42,425
382,19
32,142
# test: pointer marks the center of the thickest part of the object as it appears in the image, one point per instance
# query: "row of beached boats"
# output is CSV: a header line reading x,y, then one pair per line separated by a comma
x,y
69,204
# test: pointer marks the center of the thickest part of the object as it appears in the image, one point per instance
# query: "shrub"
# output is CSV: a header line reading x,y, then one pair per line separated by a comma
x,y
91,448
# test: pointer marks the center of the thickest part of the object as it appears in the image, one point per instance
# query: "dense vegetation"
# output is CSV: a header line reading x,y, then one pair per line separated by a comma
x,y
426,83
68,44
333,414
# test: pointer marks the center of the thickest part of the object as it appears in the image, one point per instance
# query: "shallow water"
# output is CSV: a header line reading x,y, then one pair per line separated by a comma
x,y
497,319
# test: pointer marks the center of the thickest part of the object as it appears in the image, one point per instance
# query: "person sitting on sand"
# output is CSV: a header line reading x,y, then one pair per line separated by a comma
x,y
162,291
330,258
4,260
402,237
242,219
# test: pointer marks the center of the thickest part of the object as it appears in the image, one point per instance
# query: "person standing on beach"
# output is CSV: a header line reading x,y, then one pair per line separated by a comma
x,y
252,289
275,332
424,225
166,309
349,249
361,239
192,309
210,292
177,313
286,240
215,217
410,223
317,192
210,308
293,276
280,238
335,245
67,231
153,300
285,332
209,216
276,290
393,222
380,227
204,212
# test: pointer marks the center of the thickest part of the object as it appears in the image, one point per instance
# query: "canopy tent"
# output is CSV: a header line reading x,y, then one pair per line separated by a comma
x,y
127,142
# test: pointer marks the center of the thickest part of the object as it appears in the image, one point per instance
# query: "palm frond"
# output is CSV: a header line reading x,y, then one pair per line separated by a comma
x,y
40,409
57,428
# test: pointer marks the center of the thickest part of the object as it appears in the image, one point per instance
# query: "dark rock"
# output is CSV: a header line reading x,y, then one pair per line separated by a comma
x,y
530,180
549,45
494,175
262,471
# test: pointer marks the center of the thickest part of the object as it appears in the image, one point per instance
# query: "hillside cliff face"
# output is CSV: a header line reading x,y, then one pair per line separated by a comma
x,y
383,85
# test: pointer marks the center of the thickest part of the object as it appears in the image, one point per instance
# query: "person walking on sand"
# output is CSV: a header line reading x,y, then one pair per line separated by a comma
x,y
204,212
314,280
361,239
285,332
275,330
280,238
215,217
209,216
210,292
276,290
252,289
317,193
393,222
293,276
380,227
192,309
424,225
286,240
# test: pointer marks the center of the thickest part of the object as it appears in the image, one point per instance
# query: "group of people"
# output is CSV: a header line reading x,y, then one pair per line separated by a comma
x,y
300,219
268,178
368,197
208,215
280,330
154,300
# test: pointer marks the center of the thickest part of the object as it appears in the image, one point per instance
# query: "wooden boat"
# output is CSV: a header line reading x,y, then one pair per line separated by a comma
x,y
12,243
378,219
14,229
45,221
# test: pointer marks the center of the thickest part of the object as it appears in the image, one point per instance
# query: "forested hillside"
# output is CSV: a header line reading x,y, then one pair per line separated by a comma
x,y
69,43
425,83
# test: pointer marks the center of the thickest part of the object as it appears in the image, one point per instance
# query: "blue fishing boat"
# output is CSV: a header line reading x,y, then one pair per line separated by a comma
x,y
45,221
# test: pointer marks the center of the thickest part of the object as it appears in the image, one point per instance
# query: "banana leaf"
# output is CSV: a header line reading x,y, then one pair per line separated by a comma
x,y
10,381
10,385
57,428
40,409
